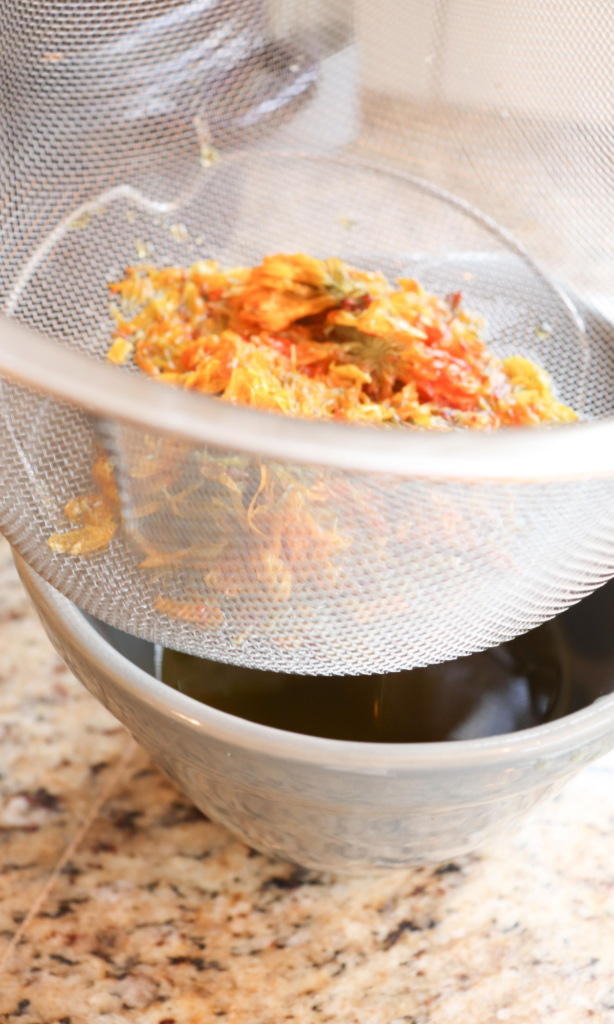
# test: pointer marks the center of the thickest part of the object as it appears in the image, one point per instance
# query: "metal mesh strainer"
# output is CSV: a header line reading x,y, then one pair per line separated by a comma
x,y
171,131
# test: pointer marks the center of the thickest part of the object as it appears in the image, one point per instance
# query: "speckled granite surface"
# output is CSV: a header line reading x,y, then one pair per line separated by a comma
x,y
120,903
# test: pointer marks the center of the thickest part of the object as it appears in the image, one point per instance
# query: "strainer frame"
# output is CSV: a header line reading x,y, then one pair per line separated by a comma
x,y
575,451
568,452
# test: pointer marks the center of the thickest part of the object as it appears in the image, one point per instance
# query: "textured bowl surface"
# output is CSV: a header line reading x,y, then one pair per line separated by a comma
x,y
327,804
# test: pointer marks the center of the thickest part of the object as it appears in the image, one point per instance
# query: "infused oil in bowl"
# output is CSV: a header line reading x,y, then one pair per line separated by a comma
x,y
349,804
517,685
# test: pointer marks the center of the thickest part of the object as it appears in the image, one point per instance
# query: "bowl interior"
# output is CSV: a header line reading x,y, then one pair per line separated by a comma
x,y
583,636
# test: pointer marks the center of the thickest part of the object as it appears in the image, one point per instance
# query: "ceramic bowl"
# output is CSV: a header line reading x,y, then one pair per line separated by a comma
x,y
337,805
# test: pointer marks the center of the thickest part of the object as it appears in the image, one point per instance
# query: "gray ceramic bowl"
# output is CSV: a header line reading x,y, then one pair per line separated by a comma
x,y
326,804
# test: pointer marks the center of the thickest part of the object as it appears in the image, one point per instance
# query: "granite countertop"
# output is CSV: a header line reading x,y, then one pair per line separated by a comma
x,y
120,902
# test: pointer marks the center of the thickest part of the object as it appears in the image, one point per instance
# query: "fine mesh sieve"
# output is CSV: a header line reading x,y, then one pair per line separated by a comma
x,y
168,132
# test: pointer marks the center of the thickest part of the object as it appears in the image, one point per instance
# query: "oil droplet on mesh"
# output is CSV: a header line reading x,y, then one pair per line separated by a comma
x,y
179,232
346,222
543,331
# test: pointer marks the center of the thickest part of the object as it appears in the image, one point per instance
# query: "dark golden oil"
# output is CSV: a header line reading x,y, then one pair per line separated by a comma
x,y
517,685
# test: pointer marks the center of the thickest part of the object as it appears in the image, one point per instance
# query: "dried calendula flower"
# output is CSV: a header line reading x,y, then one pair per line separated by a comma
x,y
89,539
120,350
94,516
303,337
198,613
320,339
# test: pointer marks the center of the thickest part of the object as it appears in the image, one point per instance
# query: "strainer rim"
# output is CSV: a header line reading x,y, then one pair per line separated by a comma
x,y
582,450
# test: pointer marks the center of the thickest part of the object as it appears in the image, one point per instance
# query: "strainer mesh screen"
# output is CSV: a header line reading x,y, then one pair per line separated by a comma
x,y
167,132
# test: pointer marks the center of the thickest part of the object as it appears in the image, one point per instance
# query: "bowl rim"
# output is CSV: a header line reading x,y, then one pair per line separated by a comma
x,y
527,745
